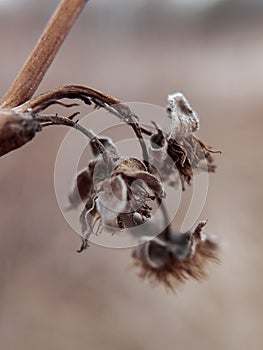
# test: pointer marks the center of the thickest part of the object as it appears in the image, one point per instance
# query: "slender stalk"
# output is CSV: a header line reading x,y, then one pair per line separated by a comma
x,y
88,95
47,120
43,54
166,233
84,93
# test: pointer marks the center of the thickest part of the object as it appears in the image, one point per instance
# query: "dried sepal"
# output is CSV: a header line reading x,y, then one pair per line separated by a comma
x,y
82,188
173,260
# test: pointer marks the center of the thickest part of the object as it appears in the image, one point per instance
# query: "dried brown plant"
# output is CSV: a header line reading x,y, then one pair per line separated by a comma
x,y
115,190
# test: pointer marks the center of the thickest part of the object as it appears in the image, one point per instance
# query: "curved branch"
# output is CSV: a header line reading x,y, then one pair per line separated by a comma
x,y
88,95
83,93
47,120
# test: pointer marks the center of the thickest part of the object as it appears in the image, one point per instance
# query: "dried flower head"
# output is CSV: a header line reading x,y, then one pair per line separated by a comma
x,y
113,195
179,152
174,259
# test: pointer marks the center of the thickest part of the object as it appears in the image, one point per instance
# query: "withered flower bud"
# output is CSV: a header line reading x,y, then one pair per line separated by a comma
x,y
16,129
184,120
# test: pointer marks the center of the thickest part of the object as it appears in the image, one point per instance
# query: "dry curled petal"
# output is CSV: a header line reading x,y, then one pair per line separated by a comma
x,y
83,187
133,169
129,166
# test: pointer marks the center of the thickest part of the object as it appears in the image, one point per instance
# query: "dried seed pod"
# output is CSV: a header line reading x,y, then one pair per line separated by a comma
x,y
16,129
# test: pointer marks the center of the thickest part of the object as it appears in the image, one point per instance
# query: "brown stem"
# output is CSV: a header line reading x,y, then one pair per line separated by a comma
x,y
166,233
88,95
43,54
46,120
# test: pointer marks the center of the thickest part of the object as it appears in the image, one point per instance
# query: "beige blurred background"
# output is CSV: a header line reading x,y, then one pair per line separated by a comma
x,y
53,298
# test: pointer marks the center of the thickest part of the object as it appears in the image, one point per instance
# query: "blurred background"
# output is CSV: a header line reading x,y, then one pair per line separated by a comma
x,y
53,298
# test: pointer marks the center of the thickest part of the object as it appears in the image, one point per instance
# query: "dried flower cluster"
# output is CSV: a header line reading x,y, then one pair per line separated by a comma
x,y
117,192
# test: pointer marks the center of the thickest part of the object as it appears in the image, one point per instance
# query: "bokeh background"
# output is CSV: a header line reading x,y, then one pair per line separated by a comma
x,y
53,298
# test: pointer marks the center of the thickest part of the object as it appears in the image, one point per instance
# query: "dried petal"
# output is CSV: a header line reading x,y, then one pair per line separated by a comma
x,y
82,187
86,219
108,144
134,169
101,173
112,200
128,166
152,182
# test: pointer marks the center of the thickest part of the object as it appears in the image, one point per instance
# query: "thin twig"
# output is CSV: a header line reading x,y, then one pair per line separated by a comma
x,y
43,54
47,120
166,233
88,95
